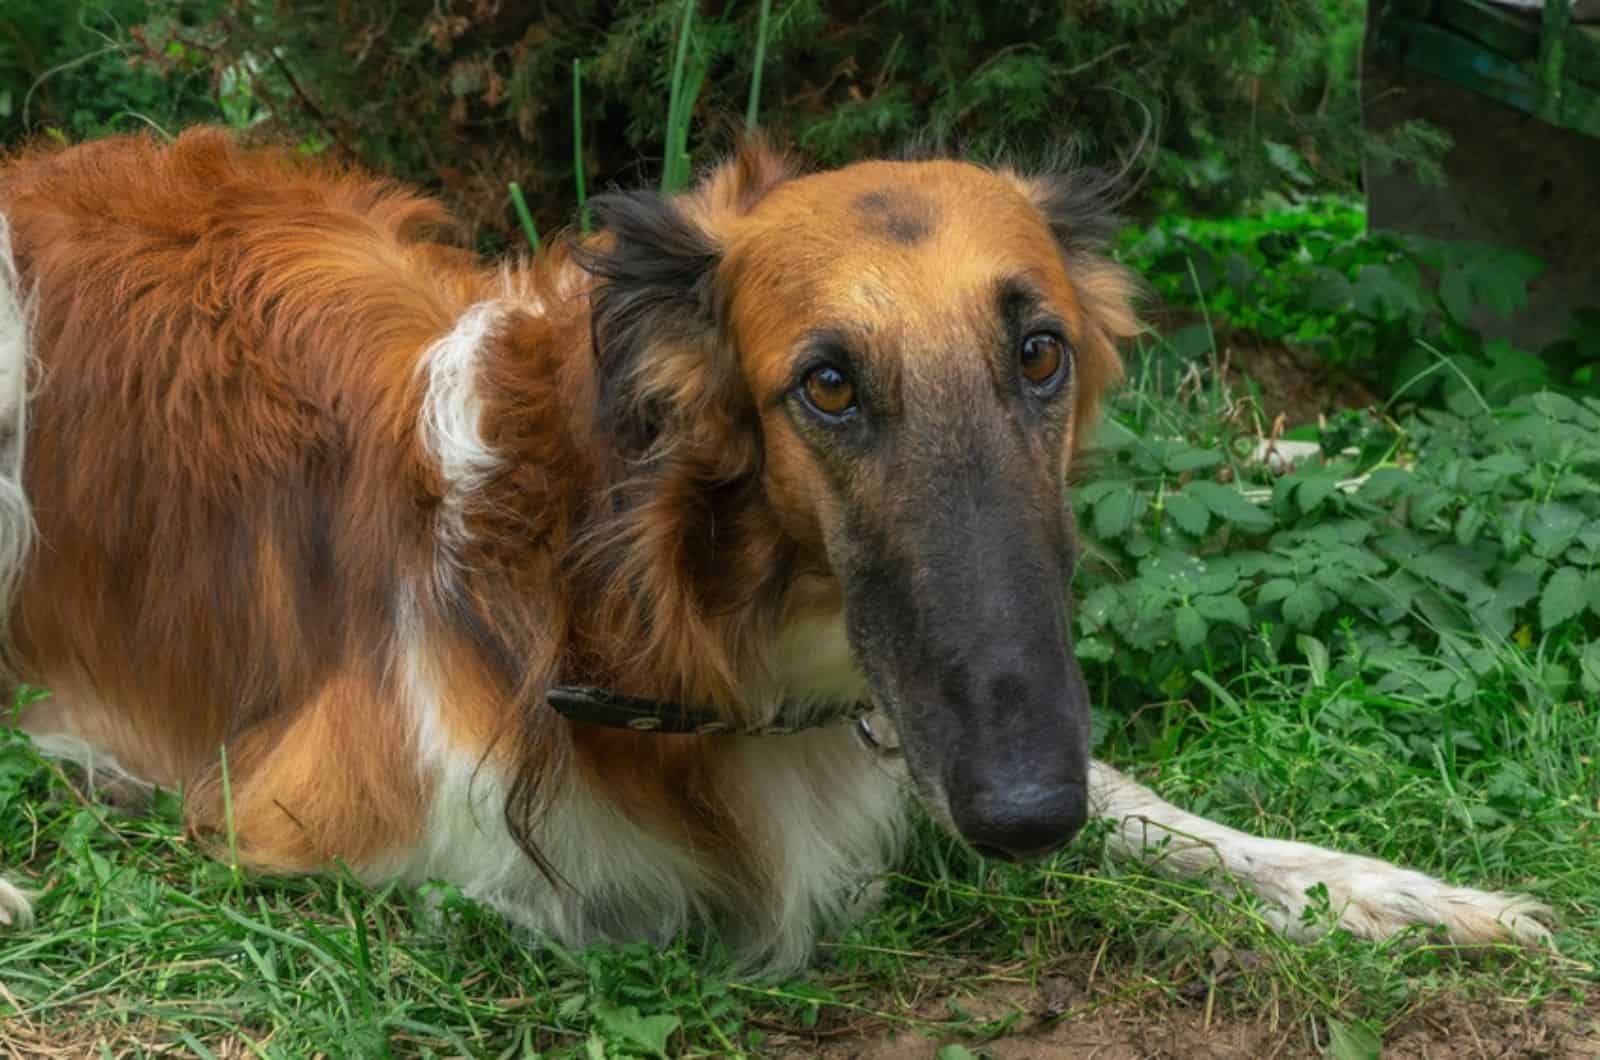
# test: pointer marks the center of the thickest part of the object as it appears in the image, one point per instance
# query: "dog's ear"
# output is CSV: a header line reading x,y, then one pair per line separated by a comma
x,y
733,188
666,371
1079,205
654,316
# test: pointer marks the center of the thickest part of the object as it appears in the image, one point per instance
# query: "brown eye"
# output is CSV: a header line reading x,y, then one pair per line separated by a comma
x,y
1041,359
830,391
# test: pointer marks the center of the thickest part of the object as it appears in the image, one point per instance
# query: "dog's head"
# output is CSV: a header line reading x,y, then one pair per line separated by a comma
x,y
900,359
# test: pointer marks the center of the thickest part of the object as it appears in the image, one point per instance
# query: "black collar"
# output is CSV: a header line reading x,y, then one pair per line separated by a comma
x,y
615,710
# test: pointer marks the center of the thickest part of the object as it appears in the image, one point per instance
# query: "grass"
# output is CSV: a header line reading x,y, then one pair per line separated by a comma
x,y
144,944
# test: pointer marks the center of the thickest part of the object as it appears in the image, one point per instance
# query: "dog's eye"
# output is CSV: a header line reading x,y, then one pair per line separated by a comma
x,y
1043,358
830,391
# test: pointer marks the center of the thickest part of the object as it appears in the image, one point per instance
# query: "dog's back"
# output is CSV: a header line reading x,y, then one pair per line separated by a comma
x,y
225,348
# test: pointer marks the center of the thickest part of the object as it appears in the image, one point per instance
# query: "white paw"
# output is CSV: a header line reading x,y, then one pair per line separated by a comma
x,y
16,911
1375,900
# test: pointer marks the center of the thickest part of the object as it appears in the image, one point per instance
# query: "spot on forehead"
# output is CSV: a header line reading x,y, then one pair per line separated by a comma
x,y
903,216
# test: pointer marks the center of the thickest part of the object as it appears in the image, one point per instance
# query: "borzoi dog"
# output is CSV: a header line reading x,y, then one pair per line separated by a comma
x,y
635,587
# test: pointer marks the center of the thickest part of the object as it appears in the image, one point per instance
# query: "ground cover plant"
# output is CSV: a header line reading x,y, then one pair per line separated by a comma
x,y
1304,269
464,96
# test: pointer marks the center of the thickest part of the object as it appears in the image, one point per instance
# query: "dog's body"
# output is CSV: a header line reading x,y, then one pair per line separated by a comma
x,y
318,491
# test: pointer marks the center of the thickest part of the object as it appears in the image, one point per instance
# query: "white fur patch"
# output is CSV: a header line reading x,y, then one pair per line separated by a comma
x,y
1371,898
104,776
826,817
16,519
833,816
811,667
617,871
16,909
452,411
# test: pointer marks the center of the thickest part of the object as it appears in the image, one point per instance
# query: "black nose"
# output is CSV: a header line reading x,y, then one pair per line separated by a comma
x,y
1019,820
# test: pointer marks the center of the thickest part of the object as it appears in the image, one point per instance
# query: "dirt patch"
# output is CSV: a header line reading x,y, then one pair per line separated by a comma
x,y
1299,384
1058,1020
76,1039
1505,1031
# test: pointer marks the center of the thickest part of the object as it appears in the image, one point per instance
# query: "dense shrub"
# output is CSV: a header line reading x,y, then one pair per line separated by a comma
x,y
1383,305
77,68
468,94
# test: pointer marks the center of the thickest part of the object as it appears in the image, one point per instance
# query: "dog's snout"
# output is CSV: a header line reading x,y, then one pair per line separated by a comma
x,y
1016,821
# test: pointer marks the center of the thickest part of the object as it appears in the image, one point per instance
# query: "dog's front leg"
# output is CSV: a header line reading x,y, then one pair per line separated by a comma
x,y
1369,897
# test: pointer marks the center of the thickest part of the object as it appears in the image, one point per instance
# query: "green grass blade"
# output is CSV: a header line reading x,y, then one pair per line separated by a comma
x,y
675,167
524,216
754,104
577,145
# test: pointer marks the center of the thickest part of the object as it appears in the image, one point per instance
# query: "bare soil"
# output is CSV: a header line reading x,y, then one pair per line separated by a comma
x,y
1297,384
1060,1019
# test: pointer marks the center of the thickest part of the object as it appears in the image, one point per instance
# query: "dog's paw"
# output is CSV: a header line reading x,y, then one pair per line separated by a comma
x,y
1376,900
16,910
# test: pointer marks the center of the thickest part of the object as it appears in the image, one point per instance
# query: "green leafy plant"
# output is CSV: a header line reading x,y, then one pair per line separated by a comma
x,y
465,98
1405,556
1305,271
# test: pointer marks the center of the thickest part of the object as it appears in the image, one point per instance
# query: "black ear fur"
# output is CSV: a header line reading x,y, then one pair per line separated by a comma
x,y
1081,207
657,285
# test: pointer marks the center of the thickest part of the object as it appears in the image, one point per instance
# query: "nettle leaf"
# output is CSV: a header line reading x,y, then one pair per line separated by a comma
x,y
1229,505
1516,588
1427,504
1303,607
1276,589
1455,291
1188,458
1506,294
1093,649
1190,515
1329,291
1589,668
1100,605
1216,575
1557,407
1090,492
1354,1040
1337,533
1385,484
1452,568
1113,435
1113,513
1553,527
1380,292
1190,627
1572,484
1283,498
1496,469
1229,609
1313,491
1565,596
1468,522
1511,528
646,1032
1337,580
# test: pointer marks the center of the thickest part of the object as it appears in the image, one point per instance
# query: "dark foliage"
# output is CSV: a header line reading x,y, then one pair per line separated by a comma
x,y
466,95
